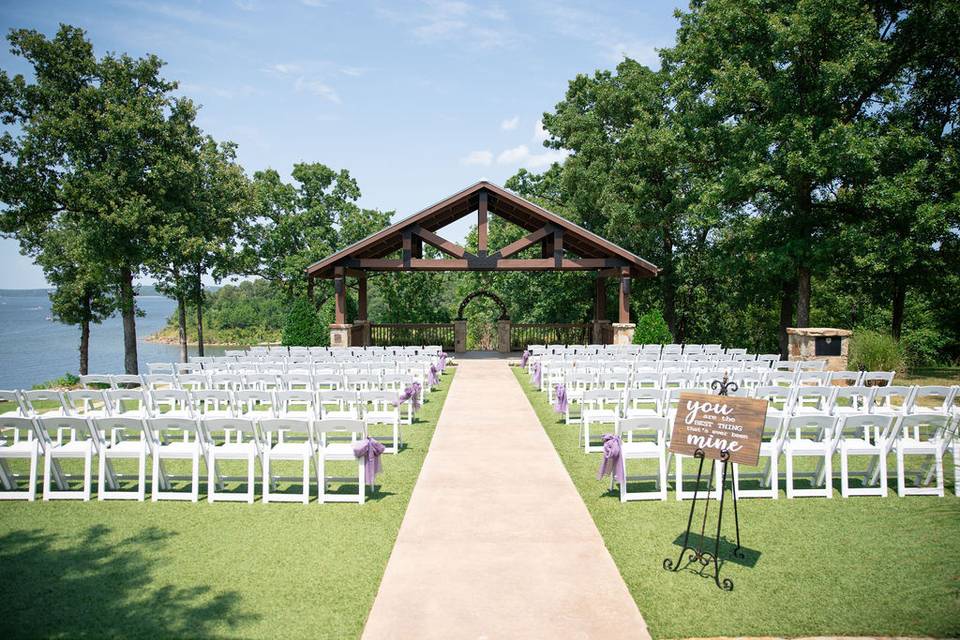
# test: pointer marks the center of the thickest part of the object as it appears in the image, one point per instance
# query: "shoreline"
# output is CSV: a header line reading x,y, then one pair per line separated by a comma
x,y
159,338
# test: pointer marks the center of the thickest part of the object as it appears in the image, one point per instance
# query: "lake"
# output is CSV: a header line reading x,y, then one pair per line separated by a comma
x,y
33,348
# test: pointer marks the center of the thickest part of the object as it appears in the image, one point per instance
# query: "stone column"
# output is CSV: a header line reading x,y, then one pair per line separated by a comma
x,y
803,345
503,336
459,336
364,326
623,332
340,335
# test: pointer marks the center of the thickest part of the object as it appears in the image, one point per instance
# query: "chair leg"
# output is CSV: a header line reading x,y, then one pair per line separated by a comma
x,y
101,474
844,472
663,474
828,473
87,475
306,479
882,463
155,477
251,471
939,464
901,484
789,458
211,485
361,481
266,477
195,477
33,473
142,474
6,476
46,476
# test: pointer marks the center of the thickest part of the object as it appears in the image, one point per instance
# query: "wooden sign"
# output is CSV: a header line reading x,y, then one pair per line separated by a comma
x,y
719,423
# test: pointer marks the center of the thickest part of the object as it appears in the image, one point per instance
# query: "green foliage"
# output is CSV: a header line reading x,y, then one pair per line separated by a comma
x,y
303,327
250,312
66,381
652,329
876,351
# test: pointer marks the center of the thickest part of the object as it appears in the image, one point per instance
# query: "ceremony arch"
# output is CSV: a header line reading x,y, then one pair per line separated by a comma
x,y
564,246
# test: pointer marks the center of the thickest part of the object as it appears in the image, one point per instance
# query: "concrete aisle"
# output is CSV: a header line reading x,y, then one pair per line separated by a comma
x,y
496,542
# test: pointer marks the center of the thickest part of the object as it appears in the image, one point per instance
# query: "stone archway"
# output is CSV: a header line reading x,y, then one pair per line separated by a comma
x,y
486,294
501,339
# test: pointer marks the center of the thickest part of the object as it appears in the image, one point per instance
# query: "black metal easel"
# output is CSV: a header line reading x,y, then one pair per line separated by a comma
x,y
698,554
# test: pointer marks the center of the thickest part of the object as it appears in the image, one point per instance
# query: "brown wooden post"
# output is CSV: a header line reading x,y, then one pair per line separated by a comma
x,y
362,298
625,295
482,225
558,248
416,250
340,296
600,299
407,249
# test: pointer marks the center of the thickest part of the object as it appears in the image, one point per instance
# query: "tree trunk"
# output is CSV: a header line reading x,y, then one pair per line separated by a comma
x,y
182,326
199,294
803,297
129,313
899,301
786,317
668,278
85,337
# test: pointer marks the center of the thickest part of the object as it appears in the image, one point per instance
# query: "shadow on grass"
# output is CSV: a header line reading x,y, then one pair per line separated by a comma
x,y
747,558
86,586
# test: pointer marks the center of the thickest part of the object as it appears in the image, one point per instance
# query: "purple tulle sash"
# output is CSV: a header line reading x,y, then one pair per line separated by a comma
x,y
560,404
433,378
611,458
411,393
370,450
524,358
537,373
443,361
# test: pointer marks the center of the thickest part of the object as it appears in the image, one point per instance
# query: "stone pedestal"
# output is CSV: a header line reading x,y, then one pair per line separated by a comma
x,y
601,329
340,335
623,332
459,336
820,343
361,327
503,336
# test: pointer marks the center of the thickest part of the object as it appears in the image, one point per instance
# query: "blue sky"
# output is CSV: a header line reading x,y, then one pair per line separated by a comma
x,y
418,99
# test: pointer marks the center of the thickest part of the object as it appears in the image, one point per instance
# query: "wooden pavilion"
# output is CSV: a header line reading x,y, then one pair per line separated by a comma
x,y
564,246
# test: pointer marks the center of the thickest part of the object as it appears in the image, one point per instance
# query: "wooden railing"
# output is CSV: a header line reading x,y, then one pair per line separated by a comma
x,y
357,336
522,335
406,335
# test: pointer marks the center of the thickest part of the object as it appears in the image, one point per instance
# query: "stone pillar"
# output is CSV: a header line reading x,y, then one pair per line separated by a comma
x,y
623,332
503,336
820,343
364,326
340,335
459,336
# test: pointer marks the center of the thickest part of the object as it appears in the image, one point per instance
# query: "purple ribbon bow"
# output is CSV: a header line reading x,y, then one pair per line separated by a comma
x,y
443,361
433,378
411,393
560,404
611,458
536,374
370,450
524,358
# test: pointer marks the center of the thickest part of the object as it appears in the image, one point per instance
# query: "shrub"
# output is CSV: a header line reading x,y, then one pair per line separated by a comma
x,y
303,328
652,329
66,381
876,351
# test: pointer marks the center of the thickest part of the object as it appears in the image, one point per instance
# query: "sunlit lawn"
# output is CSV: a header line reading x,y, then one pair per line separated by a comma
x,y
169,569
856,566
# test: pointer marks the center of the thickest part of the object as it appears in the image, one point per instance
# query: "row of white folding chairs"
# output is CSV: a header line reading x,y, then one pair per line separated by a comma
x,y
926,436
112,438
259,350
633,348
374,406
314,367
549,364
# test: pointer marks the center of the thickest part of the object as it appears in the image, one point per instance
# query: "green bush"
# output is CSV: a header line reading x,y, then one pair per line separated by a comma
x,y
876,351
67,380
652,329
923,346
303,327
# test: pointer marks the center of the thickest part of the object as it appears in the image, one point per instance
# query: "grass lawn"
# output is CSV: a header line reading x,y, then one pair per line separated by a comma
x,y
170,569
856,566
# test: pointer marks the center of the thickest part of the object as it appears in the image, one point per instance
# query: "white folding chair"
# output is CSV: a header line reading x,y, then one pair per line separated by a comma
x,y
86,403
175,439
810,436
255,404
929,436
246,447
643,438
639,403
126,381
852,400
769,474
170,403
379,408
338,404
600,406
19,443
127,403
129,441
56,445
96,382
933,399
813,400
856,436
877,378
286,439
330,451
33,399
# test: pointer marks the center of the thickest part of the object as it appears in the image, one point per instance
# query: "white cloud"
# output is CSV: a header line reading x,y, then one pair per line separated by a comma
x,y
539,133
317,88
285,68
456,20
522,157
483,158
510,123
353,72
241,91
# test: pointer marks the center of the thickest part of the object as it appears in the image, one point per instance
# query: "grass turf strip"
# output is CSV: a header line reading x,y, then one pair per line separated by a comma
x,y
170,569
856,566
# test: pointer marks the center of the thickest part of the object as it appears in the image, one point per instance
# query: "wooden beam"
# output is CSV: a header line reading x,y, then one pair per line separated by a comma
x,y
524,242
439,265
416,251
558,247
489,263
377,264
407,248
600,299
482,225
448,247
340,296
625,295
362,298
